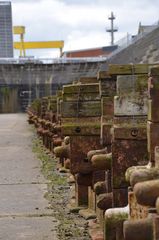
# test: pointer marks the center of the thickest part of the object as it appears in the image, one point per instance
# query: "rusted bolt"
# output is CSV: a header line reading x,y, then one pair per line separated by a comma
x,y
134,132
77,129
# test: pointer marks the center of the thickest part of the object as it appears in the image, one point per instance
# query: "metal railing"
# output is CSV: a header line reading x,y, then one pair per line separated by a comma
x,y
51,60
129,39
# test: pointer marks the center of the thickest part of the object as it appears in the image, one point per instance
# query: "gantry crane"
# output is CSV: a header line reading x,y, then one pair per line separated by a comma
x,y
22,46
20,30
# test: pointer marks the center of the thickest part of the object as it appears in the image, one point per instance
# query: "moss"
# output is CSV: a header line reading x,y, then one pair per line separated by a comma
x,y
52,103
36,105
70,225
102,161
81,97
141,83
5,91
85,125
81,109
80,88
81,129
118,180
48,165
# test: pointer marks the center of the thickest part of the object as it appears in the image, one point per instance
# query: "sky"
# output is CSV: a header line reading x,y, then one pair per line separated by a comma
x,y
80,23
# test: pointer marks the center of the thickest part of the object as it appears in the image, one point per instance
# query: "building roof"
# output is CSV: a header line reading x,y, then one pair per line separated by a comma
x,y
90,52
145,28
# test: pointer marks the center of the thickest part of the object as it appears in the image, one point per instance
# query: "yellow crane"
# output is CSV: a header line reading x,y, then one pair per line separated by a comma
x,y
20,30
22,46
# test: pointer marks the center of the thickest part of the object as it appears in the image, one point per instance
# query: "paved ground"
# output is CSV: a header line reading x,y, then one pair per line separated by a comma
x,y
24,212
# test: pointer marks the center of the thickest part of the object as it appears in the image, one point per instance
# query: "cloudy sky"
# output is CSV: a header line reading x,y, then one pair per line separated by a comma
x,y
80,23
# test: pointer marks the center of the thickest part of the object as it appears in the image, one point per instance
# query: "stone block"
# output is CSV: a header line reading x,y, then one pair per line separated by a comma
x,y
98,176
138,132
81,195
153,111
153,88
129,69
130,121
86,80
87,129
103,75
126,153
107,106
120,197
80,109
105,134
132,83
130,105
107,87
71,97
80,146
154,70
137,211
81,88
152,138
81,120
84,179
108,181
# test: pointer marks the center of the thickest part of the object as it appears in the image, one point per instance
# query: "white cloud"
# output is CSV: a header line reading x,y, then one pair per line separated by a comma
x,y
80,23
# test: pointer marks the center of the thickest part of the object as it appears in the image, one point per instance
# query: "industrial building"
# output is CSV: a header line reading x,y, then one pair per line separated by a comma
x,y
90,52
6,42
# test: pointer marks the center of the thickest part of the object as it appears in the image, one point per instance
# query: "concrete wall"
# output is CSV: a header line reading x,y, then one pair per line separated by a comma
x,y
21,83
28,81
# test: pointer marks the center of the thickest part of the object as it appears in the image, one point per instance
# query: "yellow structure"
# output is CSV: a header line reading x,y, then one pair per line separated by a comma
x,y
22,46
20,30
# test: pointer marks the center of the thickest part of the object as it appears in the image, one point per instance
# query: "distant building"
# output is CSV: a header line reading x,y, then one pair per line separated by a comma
x,y
145,28
90,52
6,35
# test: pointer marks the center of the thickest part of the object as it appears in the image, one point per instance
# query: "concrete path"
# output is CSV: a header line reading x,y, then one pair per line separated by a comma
x,y
24,212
